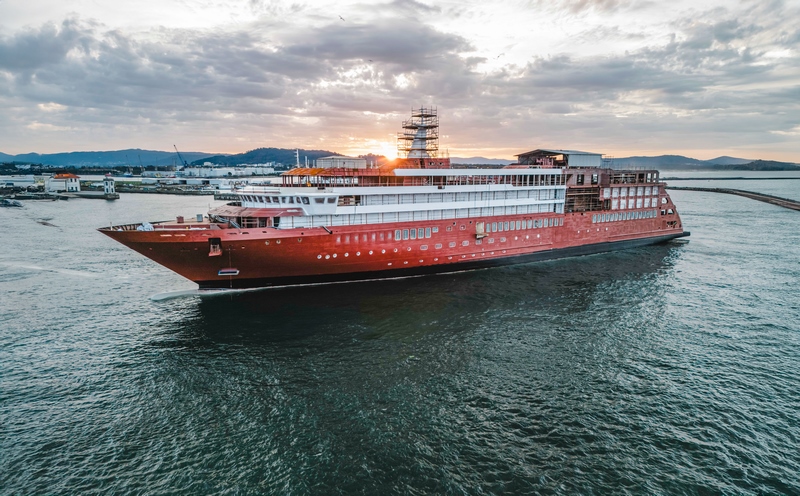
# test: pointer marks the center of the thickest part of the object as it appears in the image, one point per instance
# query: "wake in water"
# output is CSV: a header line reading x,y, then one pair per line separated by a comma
x,y
69,272
172,295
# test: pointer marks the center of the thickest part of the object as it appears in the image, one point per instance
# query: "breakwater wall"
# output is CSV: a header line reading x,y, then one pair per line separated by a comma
x,y
775,200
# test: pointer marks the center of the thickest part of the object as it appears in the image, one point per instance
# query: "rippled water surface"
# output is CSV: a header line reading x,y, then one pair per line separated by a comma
x,y
668,369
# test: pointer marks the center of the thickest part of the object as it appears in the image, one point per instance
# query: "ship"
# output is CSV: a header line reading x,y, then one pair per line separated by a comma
x,y
347,219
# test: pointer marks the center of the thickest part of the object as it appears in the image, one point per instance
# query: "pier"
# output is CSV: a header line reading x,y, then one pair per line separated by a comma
x,y
775,200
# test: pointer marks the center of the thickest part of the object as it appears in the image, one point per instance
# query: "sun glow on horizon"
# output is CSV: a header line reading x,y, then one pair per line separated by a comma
x,y
377,147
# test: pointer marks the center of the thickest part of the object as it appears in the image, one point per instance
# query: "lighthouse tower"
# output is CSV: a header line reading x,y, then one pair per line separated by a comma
x,y
109,192
108,186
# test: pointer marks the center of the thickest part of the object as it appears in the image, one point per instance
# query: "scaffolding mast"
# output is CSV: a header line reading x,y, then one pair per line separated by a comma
x,y
420,135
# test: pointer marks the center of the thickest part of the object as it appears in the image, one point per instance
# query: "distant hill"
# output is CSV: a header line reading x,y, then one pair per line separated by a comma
x,y
725,160
660,162
6,158
678,162
759,165
130,157
283,156
479,160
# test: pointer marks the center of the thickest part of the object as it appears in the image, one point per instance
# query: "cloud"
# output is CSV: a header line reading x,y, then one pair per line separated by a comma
x,y
296,75
49,45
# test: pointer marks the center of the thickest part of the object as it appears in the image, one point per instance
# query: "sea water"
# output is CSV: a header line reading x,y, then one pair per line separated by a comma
x,y
666,369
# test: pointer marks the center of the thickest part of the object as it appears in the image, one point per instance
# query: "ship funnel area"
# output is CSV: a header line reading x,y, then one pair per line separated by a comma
x,y
419,140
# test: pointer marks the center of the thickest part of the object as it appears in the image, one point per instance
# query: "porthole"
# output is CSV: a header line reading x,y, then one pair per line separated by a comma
x,y
370,252
358,253
334,255
327,257
319,256
346,254
277,241
266,243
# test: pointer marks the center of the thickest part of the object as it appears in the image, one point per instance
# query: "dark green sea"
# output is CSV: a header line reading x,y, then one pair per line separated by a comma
x,y
671,369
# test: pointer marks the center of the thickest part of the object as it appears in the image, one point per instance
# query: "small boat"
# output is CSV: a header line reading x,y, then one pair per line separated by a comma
x,y
8,202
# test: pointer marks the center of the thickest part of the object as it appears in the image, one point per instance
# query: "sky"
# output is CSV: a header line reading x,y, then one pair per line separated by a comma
x,y
619,77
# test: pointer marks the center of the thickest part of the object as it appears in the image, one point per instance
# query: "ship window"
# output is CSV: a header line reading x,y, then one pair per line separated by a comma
x,y
494,227
347,239
413,234
478,241
332,199
389,235
579,179
397,234
428,232
491,240
518,225
380,236
594,219
452,244
530,223
502,240
463,227
421,233
437,246
373,236
319,200
435,229
423,247
506,226
465,243
500,227
364,237
338,239
405,233
449,228
305,200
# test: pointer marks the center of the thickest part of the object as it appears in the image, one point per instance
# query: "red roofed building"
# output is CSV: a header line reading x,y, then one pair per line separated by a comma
x,y
63,182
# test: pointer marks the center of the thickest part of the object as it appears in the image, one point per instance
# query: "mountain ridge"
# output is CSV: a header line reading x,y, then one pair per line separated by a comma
x,y
137,156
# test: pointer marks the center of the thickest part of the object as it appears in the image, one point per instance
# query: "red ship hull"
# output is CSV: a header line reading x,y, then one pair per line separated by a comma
x,y
263,257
